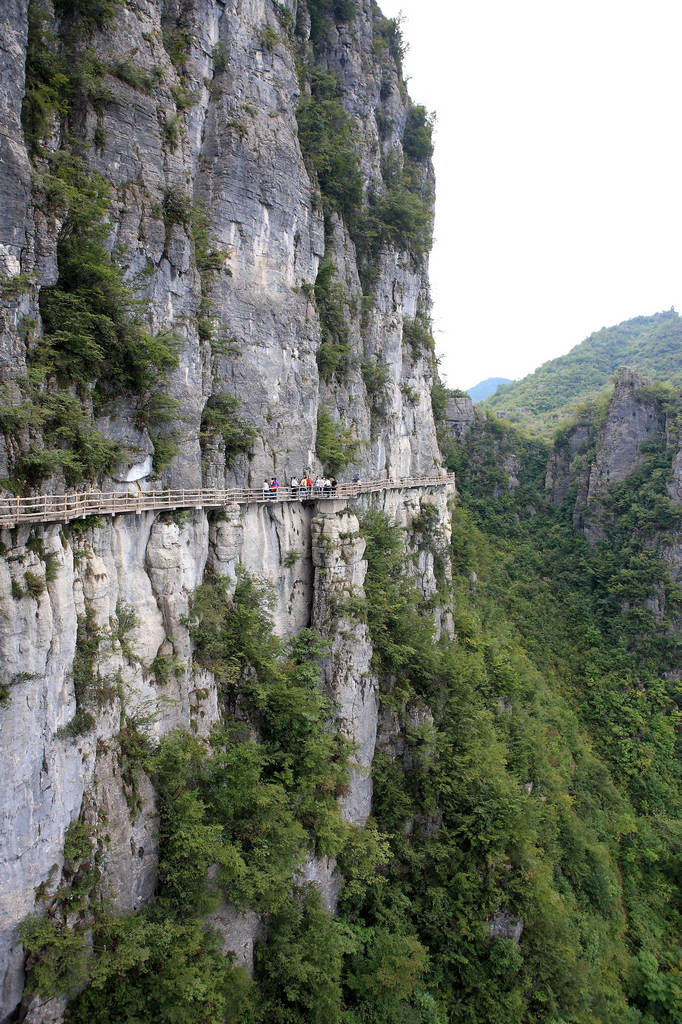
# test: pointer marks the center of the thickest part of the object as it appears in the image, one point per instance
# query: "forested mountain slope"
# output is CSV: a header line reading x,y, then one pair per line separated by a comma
x,y
578,548
650,344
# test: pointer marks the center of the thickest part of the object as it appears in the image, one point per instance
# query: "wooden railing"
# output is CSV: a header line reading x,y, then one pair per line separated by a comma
x,y
50,508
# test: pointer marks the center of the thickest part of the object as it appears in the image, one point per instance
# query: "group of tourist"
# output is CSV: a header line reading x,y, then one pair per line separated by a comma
x,y
301,488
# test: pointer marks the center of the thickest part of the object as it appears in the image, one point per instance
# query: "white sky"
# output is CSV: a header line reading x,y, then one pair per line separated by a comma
x,y
559,171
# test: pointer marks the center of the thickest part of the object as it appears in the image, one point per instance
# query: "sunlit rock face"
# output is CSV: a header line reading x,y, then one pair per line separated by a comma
x,y
630,420
633,417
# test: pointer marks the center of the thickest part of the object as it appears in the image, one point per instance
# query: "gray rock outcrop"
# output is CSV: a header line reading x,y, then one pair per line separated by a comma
x,y
459,415
592,459
503,925
339,578
633,417
629,422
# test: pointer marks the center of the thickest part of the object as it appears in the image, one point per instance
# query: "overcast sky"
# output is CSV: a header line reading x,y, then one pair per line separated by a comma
x,y
559,171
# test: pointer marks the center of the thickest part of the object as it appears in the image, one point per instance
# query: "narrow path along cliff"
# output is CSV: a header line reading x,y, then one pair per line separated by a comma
x,y
52,508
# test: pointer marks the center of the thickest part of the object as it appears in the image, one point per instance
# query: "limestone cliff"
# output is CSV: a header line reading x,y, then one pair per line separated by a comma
x,y
629,440
182,116
188,111
591,457
151,564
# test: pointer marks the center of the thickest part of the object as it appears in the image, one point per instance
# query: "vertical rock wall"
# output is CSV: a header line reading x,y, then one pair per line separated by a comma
x,y
218,132
151,564
339,578
209,127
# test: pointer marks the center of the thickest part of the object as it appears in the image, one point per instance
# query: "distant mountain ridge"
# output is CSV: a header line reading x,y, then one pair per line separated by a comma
x,y
485,388
551,394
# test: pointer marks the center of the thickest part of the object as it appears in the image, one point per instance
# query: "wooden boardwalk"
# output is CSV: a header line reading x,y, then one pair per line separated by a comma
x,y
60,508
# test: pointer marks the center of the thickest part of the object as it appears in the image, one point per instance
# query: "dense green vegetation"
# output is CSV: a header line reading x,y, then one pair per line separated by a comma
x,y
652,344
467,838
94,347
333,355
417,135
606,656
400,212
221,420
323,13
417,334
395,212
326,135
523,862
251,803
336,446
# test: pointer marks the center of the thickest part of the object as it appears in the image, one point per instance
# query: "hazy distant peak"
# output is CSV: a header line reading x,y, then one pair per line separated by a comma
x,y
486,388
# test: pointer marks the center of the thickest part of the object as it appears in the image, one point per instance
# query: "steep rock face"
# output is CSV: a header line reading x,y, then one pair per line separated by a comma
x,y
566,462
633,417
217,133
593,459
459,415
672,552
628,424
191,119
590,460
150,564
253,180
15,172
55,772
339,577
275,543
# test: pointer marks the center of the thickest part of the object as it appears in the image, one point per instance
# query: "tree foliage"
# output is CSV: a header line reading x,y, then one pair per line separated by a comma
x,y
327,138
335,445
553,393
609,660
220,418
333,355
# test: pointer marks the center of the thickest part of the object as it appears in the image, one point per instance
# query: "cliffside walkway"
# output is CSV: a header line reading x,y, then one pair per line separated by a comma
x,y
61,508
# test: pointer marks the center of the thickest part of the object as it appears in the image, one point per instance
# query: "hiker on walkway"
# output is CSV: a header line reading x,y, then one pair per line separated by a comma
x,y
333,482
274,484
318,484
302,490
294,486
266,490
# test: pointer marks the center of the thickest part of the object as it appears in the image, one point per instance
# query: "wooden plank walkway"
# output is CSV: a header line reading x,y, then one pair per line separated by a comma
x,y
60,508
